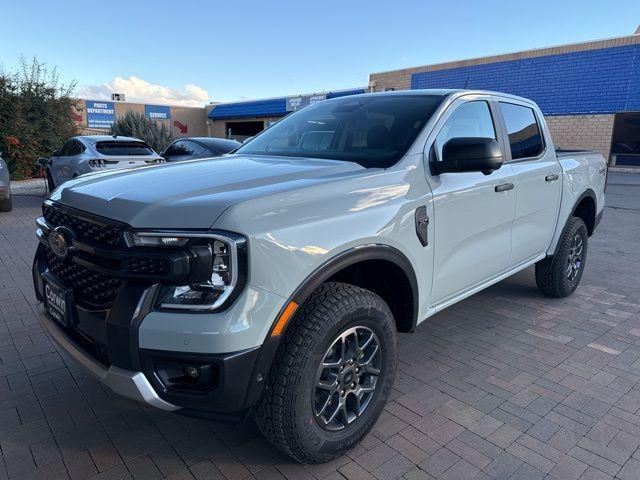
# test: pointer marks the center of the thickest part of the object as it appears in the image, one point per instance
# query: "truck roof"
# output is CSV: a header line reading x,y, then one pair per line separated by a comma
x,y
444,92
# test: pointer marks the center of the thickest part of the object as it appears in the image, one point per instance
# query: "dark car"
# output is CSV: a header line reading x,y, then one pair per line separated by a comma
x,y
198,147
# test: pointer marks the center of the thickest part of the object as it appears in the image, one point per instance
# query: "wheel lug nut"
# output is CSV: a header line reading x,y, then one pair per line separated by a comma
x,y
342,392
353,385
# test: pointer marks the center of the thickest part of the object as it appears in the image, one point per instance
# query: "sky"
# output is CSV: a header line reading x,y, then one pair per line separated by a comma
x,y
195,52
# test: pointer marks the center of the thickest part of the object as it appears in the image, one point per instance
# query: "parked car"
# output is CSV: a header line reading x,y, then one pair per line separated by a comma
x,y
274,280
94,153
198,147
6,202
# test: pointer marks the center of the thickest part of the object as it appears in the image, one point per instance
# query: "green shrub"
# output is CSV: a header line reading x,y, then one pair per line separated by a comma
x,y
133,124
35,118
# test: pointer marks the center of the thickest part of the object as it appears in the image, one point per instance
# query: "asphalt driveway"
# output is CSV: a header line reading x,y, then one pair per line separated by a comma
x,y
507,384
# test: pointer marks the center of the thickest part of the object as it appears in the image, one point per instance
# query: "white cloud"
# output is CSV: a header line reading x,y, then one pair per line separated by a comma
x,y
138,90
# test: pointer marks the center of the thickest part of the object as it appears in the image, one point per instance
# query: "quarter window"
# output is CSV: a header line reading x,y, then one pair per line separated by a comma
x,y
525,139
471,119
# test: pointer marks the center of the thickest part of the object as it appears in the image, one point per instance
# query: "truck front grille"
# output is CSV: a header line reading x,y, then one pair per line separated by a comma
x,y
87,230
90,288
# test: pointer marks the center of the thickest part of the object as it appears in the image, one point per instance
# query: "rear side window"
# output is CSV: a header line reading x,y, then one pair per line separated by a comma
x,y
123,148
525,139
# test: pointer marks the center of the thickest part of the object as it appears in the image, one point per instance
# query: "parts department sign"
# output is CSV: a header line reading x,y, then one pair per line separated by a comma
x,y
157,112
100,115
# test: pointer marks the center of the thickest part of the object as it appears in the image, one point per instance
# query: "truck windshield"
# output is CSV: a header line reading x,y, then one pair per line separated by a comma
x,y
373,131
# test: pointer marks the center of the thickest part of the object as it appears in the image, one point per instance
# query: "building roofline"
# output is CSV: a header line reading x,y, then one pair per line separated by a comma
x,y
597,44
280,97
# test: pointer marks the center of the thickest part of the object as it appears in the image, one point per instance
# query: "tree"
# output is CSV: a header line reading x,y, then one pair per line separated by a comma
x,y
35,115
133,124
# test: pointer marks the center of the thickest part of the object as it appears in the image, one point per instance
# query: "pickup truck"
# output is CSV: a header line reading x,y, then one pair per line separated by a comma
x,y
274,281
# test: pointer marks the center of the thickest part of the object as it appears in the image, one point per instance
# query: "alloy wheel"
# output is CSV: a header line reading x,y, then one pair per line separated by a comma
x,y
346,378
574,261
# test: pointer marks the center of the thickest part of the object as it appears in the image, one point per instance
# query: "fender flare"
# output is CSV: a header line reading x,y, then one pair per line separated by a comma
x,y
351,257
325,271
587,193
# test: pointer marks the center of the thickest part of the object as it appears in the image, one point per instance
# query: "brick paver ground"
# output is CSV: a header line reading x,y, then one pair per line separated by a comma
x,y
506,384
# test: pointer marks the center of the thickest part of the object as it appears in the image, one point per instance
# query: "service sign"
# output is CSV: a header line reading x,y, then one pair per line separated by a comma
x,y
100,115
157,112
296,103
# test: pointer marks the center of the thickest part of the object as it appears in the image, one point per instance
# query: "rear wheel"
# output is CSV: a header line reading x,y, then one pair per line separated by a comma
x,y
332,374
559,276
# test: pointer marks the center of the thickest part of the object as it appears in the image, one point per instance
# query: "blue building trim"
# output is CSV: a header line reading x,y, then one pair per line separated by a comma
x,y
599,81
273,107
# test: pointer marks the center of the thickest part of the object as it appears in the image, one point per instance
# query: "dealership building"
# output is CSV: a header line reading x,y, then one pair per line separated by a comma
x,y
589,93
240,120
97,116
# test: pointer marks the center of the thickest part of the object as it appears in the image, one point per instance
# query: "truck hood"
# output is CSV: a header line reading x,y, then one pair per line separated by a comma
x,y
193,194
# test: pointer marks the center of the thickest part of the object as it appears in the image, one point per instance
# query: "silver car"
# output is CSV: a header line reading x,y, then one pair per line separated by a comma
x,y
94,153
5,187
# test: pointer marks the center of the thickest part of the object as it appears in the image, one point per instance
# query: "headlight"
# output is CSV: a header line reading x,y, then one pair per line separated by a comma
x,y
224,256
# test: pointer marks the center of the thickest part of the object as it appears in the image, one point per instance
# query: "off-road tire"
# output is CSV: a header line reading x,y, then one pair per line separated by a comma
x,y
284,412
6,205
551,273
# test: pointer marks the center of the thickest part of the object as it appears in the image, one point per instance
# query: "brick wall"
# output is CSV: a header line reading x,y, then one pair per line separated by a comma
x,y
582,132
592,77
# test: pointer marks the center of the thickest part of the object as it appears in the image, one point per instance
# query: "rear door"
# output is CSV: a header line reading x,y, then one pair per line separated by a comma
x,y
538,180
473,211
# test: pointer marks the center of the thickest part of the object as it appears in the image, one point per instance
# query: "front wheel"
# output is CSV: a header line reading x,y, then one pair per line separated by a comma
x,y
332,375
559,276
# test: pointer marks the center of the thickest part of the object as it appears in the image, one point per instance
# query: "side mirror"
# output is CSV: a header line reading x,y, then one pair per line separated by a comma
x,y
469,155
43,161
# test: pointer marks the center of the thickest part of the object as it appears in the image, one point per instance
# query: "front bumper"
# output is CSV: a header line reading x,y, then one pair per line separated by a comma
x,y
133,385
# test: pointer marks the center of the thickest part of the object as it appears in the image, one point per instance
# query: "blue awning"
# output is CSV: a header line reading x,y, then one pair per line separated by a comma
x,y
273,107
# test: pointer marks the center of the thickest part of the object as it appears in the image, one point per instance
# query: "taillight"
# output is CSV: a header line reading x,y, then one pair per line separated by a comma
x,y
97,164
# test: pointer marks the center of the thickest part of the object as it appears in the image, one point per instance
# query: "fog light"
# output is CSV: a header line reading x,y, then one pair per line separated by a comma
x,y
191,372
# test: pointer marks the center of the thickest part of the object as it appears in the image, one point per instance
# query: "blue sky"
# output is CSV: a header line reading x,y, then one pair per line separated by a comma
x,y
234,50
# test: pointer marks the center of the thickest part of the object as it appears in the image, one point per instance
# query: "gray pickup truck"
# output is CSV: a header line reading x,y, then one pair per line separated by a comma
x,y
273,281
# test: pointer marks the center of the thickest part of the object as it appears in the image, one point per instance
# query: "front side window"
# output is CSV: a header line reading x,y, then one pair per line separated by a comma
x,y
469,120
373,131
115,148
525,139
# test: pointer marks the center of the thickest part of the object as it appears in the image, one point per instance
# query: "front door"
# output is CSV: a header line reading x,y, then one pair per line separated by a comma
x,y
473,211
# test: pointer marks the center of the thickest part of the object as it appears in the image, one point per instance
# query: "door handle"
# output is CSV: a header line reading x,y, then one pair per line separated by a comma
x,y
551,178
503,187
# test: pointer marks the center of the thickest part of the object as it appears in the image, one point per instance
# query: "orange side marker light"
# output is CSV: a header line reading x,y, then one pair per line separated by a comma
x,y
284,319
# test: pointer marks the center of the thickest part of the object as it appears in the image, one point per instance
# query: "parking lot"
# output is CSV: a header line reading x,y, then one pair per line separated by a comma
x,y
506,384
